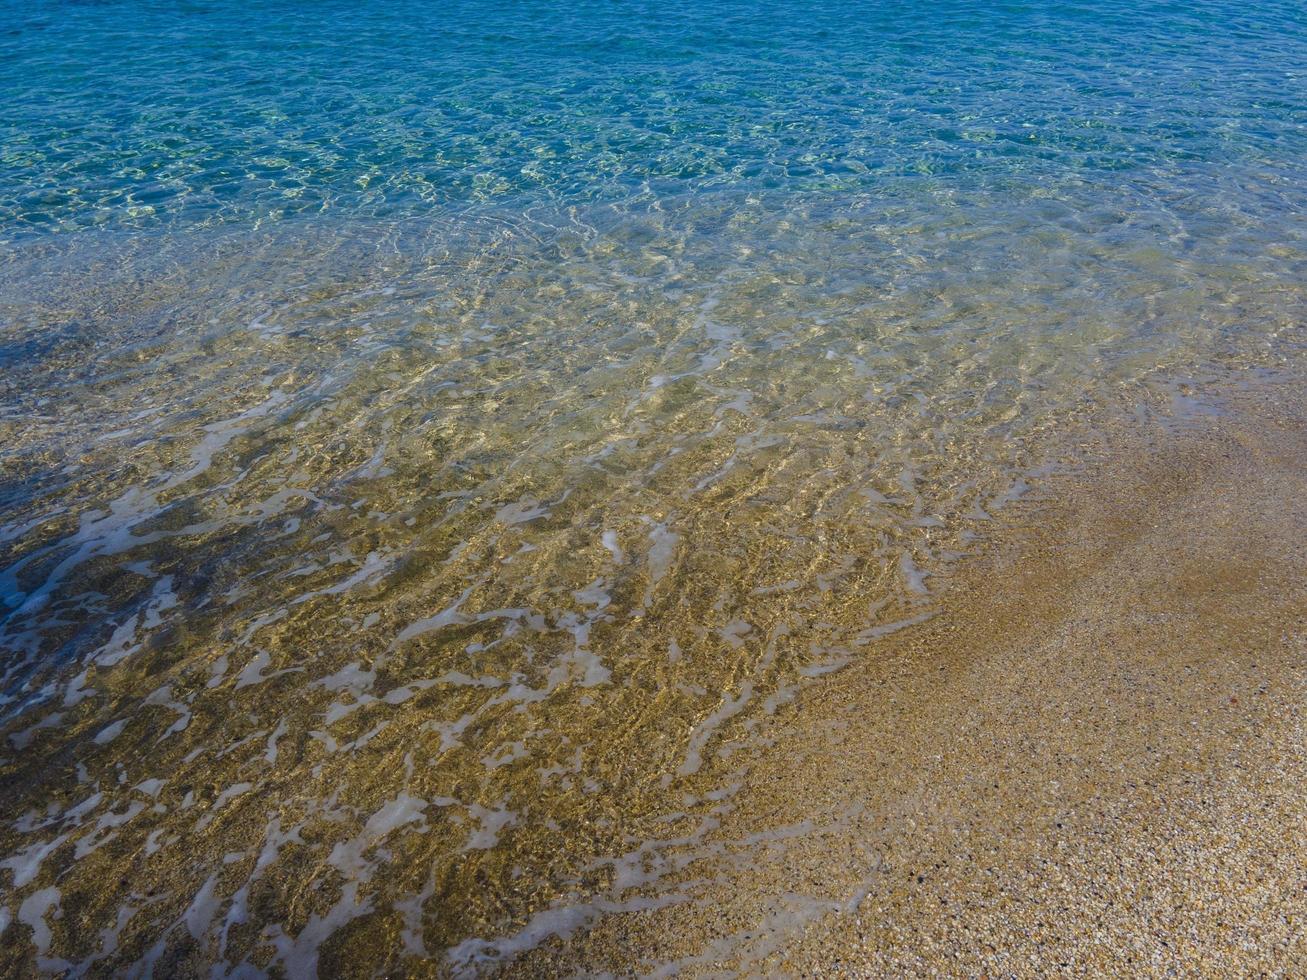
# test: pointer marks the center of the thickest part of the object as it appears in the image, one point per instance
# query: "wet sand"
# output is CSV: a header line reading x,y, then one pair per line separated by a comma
x,y
1091,761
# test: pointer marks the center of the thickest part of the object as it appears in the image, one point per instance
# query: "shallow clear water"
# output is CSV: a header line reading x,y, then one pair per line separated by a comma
x,y
434,435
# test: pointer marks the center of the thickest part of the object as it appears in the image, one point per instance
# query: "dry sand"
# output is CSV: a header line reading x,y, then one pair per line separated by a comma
x,y
1093,761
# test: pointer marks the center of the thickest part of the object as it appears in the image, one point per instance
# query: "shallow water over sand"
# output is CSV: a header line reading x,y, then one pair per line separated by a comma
x,y
404,574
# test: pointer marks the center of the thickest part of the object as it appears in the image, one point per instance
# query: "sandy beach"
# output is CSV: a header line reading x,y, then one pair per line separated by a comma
x,y
1090,762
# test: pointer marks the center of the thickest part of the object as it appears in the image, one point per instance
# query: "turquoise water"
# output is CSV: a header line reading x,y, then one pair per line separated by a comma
x,y
435,437
153,116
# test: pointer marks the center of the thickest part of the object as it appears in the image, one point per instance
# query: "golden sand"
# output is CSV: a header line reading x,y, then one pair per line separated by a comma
x,y
1091,761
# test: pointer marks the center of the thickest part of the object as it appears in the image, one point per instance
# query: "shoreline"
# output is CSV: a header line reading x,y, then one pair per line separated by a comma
x,y
1101,766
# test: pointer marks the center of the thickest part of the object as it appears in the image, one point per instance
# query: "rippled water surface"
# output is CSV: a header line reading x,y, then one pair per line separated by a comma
x,y
433,436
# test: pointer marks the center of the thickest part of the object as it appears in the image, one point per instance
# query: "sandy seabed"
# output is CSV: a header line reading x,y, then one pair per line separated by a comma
x,y
1091,761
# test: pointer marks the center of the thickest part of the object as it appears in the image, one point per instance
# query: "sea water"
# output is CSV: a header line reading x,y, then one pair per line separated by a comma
x,y
433,436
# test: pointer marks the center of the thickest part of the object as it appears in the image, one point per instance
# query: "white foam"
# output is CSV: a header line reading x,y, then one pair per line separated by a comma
x,y
109,732
492,822
32,913
26,864
609,541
